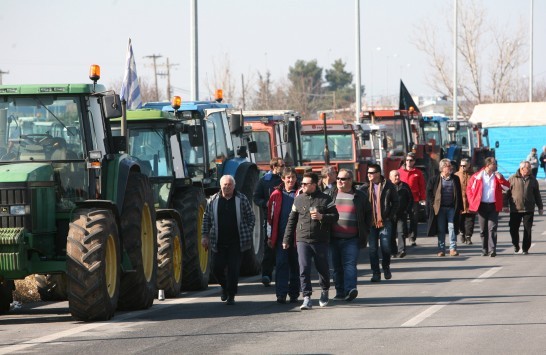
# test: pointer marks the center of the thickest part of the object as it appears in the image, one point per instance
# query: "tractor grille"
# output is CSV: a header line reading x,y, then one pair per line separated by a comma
x,y
10,197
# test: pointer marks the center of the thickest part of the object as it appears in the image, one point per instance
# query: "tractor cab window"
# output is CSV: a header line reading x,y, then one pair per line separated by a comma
x,y
219,137
340,146
149,146
263,155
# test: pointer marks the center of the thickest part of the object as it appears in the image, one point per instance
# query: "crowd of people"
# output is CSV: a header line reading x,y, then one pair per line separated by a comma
x,y
327,220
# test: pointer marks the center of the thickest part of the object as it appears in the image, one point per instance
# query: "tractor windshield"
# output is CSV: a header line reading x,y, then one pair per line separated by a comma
x,y
340,146
40,128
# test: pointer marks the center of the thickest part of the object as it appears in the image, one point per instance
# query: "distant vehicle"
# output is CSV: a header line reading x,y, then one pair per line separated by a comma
x,y
468,140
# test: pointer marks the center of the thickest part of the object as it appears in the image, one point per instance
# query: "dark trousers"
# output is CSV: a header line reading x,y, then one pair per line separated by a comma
x,y
515,222
414,220
306,253
467,223
287,275
488,219
398,234
227,263
268,262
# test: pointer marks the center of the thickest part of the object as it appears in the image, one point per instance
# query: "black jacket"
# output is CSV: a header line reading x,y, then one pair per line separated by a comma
x,y
363,213
264,188
309,230
405,199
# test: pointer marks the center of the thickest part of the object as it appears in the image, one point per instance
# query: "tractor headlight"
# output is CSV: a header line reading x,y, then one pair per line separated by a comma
x,y
19,210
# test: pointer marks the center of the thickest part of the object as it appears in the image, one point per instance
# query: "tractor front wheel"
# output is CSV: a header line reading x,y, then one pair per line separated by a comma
x,y
169,257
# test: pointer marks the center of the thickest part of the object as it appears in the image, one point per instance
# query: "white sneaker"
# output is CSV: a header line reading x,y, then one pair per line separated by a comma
x,y
323,300
307,304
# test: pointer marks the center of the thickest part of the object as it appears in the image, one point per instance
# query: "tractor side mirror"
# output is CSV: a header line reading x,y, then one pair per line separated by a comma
x,y
181,127
194,136
111,106
236,123
497,144
252,147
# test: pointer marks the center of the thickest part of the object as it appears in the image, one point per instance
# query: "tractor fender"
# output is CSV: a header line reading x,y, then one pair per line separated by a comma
x,y
98,204
232,166
169,213
241,173
125,166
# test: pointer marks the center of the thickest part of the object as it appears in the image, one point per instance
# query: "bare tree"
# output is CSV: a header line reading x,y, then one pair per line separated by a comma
x,y
147,88
484,49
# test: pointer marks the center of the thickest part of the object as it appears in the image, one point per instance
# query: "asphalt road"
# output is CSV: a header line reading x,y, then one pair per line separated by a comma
x,y
467,304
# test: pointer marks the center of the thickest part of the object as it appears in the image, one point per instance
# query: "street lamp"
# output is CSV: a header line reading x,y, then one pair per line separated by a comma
x,y
378,49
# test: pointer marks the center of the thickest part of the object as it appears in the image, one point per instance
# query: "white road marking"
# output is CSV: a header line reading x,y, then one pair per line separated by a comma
x,y
117,319
487,274
424,315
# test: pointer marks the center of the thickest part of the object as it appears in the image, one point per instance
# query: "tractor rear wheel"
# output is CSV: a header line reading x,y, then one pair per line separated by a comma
x,y
138,234
51,287
169,257
93,265
190,203
252,259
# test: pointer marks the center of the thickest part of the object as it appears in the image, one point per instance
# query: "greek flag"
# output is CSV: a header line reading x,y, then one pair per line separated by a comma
x,y
130,89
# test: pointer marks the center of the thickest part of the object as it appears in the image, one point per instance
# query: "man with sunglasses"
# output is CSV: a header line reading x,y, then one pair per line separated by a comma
x,y
262,192
467,218
311,219
348,234
384,200
416,181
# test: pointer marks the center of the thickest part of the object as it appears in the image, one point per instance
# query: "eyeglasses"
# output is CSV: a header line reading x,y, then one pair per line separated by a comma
x,y
342,178
306,183
372,172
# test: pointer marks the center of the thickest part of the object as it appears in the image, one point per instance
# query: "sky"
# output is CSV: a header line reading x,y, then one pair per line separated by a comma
x,y
56,41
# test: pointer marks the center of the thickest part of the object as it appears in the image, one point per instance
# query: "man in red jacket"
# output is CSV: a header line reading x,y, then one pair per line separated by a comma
x,y
416,181
484,194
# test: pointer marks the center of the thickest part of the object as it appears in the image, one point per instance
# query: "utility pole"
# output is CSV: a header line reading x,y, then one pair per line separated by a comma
x,y
243,89
154,58
168,75
2,73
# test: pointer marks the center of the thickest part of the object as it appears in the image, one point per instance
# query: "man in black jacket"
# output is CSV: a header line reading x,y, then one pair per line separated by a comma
x,y
384,200
262,192
311,219
399,227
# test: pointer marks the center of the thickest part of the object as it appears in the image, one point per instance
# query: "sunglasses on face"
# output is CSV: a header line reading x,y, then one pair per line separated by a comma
x,y
342,178
372,172
306,183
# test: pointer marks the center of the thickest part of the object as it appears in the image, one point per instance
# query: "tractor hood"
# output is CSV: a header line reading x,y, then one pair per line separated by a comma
x,y
26,172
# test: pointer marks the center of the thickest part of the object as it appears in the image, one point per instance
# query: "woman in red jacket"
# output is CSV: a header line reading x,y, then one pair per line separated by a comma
x,y
484,194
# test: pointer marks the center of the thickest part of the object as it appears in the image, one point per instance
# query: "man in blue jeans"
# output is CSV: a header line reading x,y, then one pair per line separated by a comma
x,y
311,219
384,200
348,234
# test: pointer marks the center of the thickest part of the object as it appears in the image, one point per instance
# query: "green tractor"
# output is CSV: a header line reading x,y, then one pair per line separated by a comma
x,y
154,139
71,206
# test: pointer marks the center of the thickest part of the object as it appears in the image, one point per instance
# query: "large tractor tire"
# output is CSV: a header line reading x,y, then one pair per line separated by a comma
x,y
252,259
190,203
138,235
51,287
93,265
169,257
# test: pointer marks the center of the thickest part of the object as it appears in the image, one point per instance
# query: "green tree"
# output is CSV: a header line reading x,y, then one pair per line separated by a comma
x,y
337,77
305,86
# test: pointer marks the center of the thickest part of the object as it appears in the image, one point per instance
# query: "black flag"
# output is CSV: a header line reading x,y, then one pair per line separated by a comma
x,y
406,101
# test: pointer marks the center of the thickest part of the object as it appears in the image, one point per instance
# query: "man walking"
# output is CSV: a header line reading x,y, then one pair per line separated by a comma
x,y
227,228
348,233
399,226
287,278
524,195
416,181
484,193
467,218
444,201
262,192
384,200
311,219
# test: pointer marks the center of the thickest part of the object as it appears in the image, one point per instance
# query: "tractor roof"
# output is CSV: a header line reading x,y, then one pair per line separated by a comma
x,y
45,89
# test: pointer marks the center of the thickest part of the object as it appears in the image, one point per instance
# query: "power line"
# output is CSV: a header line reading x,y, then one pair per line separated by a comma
x,y
168,75
1,74
154,58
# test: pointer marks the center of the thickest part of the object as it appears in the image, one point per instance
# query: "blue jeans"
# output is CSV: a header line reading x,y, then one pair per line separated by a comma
x,y
446,216
306,253
287,273
383,235
344,259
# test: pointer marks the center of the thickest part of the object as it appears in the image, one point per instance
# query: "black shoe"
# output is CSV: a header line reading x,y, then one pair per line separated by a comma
x,y
484,253
281,299
351,295
469,240
230,301
402,254
492,254
376,278
463,239
516,249
266,280
394,255
293,299
525,252
413,243
387,274
224,296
